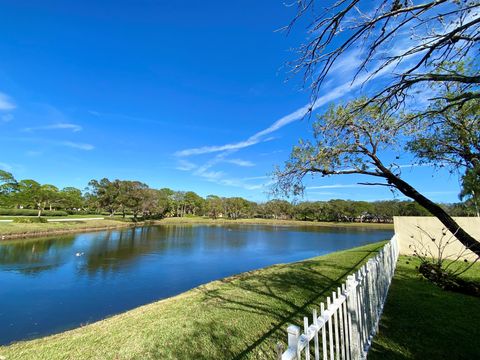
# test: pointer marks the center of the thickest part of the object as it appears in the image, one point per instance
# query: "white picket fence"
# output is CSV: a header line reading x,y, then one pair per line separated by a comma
x,y
349,320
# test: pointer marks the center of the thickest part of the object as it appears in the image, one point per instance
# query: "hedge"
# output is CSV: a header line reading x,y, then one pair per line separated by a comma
x,y
31,212
29,220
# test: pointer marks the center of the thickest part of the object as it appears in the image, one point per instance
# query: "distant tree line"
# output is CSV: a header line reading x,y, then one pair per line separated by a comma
x,y
124,197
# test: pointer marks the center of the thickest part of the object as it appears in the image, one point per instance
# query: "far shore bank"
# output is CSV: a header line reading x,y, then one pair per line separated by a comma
x,y
11,231
20,230
259,221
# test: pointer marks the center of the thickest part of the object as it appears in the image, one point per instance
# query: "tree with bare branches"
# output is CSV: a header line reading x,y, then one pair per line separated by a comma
x,y
416,42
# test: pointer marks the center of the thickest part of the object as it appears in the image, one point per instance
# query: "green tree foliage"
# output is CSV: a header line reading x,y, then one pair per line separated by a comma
x,y
450,137
194,204
71,199
350,139
214,206
279,209
155,203
8,185
137,199
237,207
105,194
32,194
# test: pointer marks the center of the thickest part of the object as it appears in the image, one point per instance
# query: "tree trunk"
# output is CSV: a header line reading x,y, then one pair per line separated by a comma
x,y
465,238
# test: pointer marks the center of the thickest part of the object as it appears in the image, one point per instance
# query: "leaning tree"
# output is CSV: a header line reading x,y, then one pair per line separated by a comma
x,y
416,48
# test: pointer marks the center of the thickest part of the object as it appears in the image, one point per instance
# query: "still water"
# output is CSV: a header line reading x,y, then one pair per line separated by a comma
x,y
50,285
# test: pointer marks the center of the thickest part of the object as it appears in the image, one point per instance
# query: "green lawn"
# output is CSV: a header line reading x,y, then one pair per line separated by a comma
x,y
238,317
10,217
421,321
7,229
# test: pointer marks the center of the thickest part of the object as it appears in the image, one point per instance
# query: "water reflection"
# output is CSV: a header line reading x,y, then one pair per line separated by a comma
x,y
34,256
103,273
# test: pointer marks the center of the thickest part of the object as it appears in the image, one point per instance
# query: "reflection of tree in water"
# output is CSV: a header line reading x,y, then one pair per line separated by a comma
x,y
34,256
113,250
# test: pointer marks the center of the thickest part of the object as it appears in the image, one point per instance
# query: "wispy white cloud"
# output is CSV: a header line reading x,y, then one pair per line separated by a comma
x,y
224,150
185,165
274,152
75,145
213,149
336,93
57,126
6,102
256,178
240,162
220,179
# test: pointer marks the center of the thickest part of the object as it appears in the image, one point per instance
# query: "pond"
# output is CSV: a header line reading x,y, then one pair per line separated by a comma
x,y
53,284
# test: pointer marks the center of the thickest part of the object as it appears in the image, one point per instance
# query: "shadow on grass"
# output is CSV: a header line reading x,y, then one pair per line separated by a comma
x,y
282,295
211,331
422,321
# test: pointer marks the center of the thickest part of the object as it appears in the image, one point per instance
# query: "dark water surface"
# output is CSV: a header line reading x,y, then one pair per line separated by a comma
x,y
54,284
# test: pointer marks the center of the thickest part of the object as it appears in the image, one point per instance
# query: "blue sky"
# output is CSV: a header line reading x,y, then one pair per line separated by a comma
x,y
188,95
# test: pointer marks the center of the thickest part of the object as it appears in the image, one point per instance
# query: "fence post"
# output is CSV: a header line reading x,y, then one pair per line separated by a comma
x,y
353,318
279,350
293,336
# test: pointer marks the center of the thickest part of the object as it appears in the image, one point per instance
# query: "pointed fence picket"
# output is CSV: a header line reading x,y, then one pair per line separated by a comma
x,y
347,324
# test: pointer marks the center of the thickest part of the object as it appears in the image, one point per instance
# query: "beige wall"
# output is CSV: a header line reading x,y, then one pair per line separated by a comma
x,y
408,226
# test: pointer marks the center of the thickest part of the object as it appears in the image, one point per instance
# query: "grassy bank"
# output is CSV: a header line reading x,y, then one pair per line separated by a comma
x,y
10,217
421,321
208,221
238,317
17,230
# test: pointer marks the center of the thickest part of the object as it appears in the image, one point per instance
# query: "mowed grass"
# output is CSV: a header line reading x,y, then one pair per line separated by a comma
x,y
240,317
422,321
10,217
193,220
53,227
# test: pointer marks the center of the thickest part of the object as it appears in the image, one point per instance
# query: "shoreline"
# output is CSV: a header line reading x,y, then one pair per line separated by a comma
x,y
272,222
52,232
39,232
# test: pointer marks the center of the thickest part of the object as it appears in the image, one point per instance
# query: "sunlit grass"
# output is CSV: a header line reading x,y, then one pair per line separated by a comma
x,y
422,321
53,227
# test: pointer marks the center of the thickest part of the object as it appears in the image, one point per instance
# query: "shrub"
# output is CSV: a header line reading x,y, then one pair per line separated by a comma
x,y
442,267
31,212
82,212
30,220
